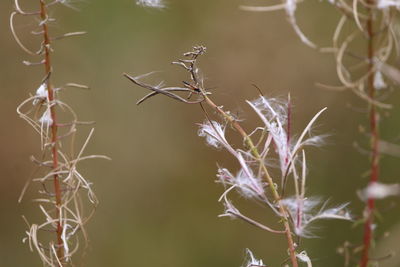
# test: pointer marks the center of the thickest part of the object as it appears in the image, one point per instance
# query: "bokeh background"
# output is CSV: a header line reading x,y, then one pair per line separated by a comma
x,y
158,196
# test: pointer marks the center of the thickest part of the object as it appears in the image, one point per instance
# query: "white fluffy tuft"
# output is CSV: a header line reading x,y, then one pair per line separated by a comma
x,y
379,82
385,4
214,133
379,191
46,119
302,256
41,94
274,115
249,185
308,210
252,261
151,3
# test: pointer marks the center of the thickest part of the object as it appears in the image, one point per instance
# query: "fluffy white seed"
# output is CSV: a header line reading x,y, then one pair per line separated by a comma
x,y
151,3
41,94
385,4
46,119
380,191
252,261
379,83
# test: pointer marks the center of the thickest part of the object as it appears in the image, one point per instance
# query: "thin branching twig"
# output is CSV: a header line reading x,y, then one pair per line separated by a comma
x,y
254,176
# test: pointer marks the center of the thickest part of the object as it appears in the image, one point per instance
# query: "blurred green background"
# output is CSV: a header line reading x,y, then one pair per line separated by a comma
x,y
158,196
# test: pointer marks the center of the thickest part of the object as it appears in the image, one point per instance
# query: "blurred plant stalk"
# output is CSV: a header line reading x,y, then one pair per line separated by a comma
x,y
373,23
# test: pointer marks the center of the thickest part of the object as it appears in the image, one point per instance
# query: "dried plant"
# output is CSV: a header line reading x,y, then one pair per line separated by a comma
x,y
256,160
370,75
64,191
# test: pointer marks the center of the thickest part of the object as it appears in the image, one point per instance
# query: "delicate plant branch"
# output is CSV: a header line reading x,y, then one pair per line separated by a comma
x,y
374,23
268,178
61,183
294,215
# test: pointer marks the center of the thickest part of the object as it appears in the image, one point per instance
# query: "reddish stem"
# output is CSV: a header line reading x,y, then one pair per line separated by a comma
x,y
54,128
373,117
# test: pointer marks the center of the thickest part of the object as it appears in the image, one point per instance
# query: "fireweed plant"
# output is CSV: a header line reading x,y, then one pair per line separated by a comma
x,y
370,75
63,190
270,144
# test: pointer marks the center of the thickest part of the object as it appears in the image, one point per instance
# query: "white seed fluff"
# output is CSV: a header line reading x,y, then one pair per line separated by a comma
x,y
151,3
41,94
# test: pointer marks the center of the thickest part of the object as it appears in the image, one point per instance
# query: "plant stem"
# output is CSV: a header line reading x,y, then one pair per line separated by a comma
x,y
256,154
54,149
373,117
